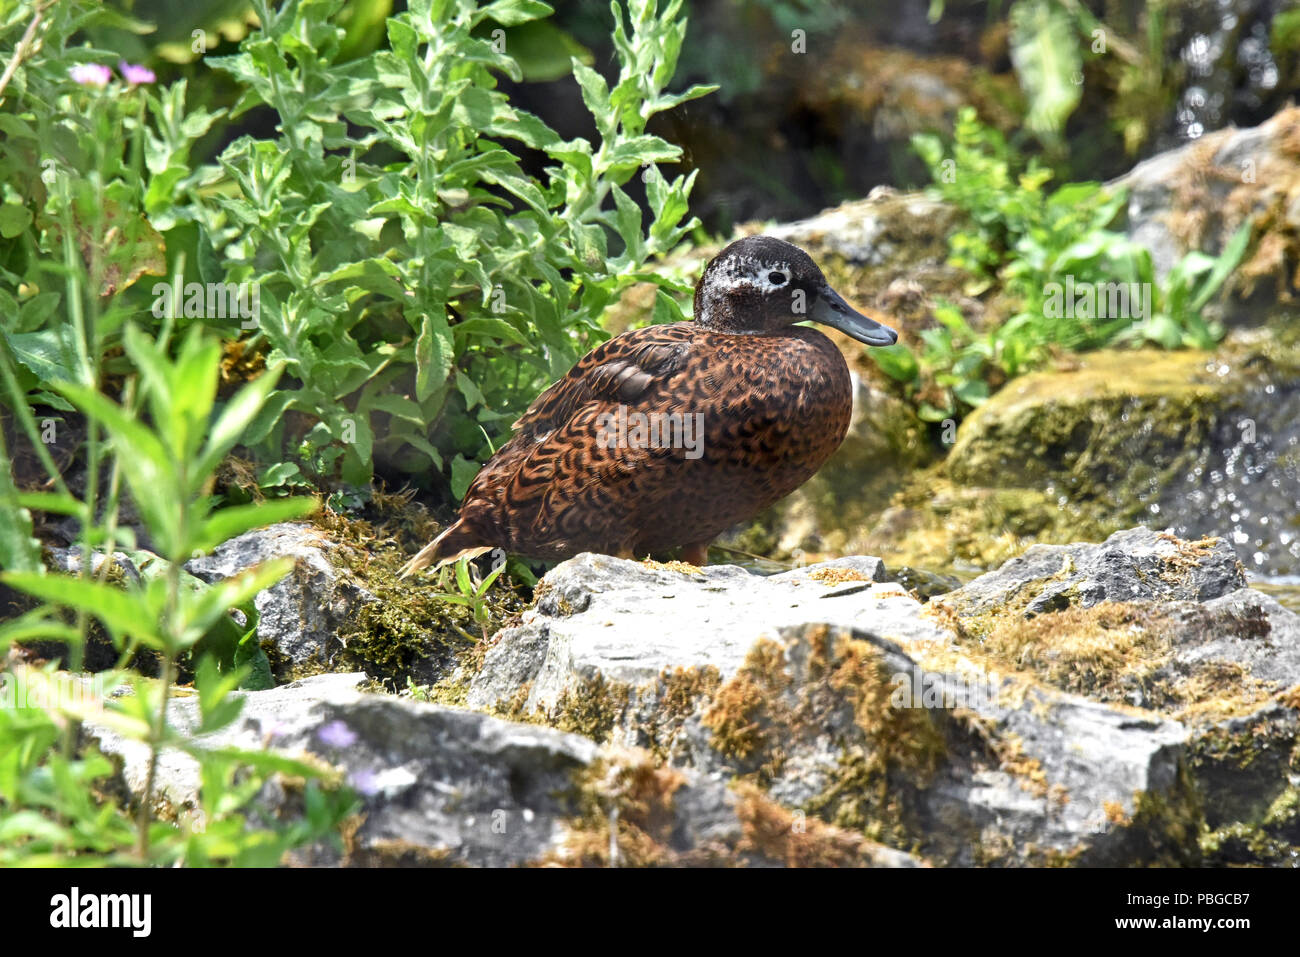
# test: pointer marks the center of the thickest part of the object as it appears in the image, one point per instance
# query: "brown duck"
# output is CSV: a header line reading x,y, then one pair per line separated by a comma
x,y
669,435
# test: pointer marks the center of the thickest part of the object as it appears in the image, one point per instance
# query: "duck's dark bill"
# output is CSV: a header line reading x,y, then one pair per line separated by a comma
x,y
830,309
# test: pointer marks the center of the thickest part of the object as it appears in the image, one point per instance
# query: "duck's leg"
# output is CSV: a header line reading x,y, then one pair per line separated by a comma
x,y
697,554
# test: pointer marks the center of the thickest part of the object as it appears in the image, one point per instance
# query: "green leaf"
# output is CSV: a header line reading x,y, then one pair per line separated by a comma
x,y
234,419
280,473
1163,330
595,94
179,394
36,310
200,609
398,406
37,624
490,327
463,471
1045,54
509,13
124,612
19,550
14,218
666,309
231,522
434,350
252,660
148,466
1223,266
897,362
50,353
972,392
218,708
931,413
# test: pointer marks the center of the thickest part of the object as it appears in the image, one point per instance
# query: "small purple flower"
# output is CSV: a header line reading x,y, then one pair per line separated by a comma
x,y
336,734
365,781
136,74
91,74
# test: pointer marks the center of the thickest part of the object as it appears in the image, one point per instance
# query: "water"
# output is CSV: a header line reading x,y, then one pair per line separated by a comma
x,y
1230,74
1245,484
1284,588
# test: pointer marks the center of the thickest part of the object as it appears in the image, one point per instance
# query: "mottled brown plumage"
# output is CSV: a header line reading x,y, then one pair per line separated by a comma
x,y
769,402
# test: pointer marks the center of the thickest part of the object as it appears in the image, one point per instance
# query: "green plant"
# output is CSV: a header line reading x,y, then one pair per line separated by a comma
x,y
1037,248
469,593
1190,285
1011,214
419,286
386,244
54,806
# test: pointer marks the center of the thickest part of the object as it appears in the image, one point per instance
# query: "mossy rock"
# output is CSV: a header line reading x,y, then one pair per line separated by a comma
x,y
1067,429
935,524
1202,442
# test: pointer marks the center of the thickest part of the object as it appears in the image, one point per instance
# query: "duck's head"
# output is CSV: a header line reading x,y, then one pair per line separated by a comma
x,y
760,285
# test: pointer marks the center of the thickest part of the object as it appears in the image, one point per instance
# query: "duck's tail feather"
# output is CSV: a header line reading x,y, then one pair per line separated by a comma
x,y
454,543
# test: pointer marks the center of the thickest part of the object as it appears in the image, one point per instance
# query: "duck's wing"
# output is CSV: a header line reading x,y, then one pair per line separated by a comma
x,y
555,481
621,370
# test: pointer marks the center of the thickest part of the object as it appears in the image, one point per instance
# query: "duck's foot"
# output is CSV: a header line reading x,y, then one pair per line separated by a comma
x,y
696,554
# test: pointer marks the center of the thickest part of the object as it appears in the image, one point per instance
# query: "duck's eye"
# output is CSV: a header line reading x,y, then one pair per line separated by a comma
x,y
776,278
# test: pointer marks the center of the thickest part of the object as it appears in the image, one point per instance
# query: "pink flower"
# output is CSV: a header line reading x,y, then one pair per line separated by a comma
x,y
91,74
135,74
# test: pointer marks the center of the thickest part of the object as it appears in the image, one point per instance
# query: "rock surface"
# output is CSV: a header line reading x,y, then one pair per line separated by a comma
x,y
1122,703
1137,564
444,785
1197,195
843,697
299,615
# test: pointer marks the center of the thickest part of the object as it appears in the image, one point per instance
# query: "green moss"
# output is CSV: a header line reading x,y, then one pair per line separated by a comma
x,y
515,708
398,853
626,797
1066,429
1165,828
592,707
757,538
858,798
748,714
935,523
453,690
783,697
628,803
678,696
1114,651
408,631
1104,652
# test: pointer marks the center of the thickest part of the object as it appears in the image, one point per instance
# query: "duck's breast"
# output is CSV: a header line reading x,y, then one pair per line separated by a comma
x,y
770,410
